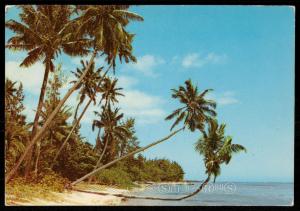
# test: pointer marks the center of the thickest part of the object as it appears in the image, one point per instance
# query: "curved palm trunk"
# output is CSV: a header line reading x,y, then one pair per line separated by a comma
x,y
48,121
104,149
147,197
38,150
100,158
77,121
126,156
70,133
36,119
196,191
76,111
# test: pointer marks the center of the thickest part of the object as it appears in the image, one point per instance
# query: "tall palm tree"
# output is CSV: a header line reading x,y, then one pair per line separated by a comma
x,y
113,131
58,127
106,27
196,111
16,129
216,149
109,95
130,143
88,87
56,132
42,33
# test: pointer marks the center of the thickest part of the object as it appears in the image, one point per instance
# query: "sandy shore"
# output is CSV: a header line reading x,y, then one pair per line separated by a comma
x,y
74,197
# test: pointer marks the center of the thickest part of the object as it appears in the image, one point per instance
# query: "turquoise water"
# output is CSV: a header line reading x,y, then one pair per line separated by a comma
x,y
219,194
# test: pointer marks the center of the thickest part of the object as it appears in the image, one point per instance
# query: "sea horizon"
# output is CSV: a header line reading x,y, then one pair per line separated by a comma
x,y
219,194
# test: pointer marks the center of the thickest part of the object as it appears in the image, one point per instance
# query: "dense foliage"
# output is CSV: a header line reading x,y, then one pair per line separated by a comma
x,y
79,157
52,146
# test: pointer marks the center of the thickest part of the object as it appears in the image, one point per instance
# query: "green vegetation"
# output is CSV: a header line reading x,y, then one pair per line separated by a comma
x,y
50,152
79,157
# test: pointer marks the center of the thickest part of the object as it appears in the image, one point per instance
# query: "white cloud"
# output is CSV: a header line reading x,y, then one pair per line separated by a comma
x,y
31,77
144,107
140,105
194,60
228,98
126,81
146,64
225,98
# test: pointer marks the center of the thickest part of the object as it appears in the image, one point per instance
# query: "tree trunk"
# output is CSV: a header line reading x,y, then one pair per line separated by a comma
x,y
100,158
77,121
36,119
71,132
196,191
38,149
148,197
125,156
76,111
105,146
48,121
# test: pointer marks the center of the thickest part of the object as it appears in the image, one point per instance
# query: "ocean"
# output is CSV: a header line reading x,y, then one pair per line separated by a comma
x,y
218,194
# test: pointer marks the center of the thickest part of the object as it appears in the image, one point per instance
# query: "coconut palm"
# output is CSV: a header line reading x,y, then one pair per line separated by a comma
x,y
58,127
57,131
216,149
109,95
109,37
106,24
42,33
113,131
130,143
196,110
10,90
88,87
16,129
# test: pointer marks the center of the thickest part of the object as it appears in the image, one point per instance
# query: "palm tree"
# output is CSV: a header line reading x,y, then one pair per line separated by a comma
x,y
109,95
88,87
43,34
113,131
16,130
106,27
56,132
130,143
197,111
58,128
216,149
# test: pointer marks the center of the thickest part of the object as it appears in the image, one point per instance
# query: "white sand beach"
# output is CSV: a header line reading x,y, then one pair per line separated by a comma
x,y
73,198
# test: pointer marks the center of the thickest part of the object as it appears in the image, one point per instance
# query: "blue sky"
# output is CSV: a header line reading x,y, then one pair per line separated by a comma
x,y
244,53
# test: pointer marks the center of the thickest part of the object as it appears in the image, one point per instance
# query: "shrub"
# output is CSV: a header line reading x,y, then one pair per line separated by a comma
x,y
114,176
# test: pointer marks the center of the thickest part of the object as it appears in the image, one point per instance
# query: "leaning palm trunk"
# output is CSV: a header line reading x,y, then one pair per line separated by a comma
x,y
36,119
77,121
147,197
48,121
100,158
126,156
70,133
38,151
196,191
